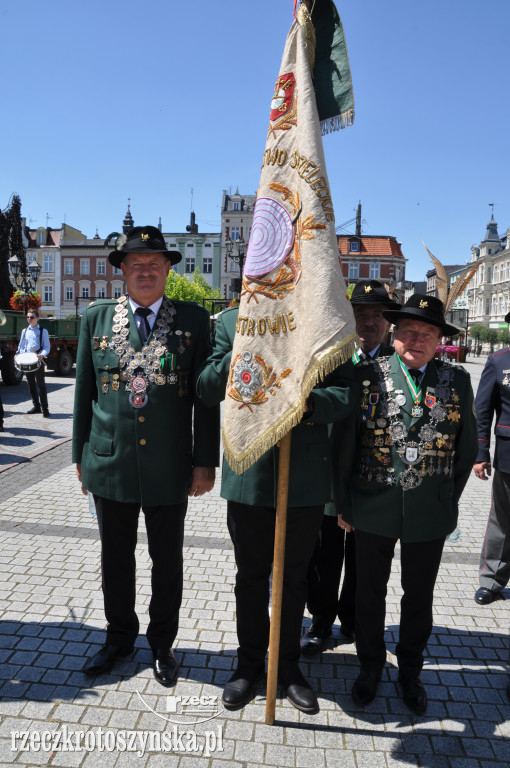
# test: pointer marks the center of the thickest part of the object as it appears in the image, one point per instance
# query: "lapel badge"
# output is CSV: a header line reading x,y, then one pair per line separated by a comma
x,y
430,400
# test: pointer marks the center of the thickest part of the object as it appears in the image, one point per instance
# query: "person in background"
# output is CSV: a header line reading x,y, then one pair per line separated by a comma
x,y
493,399
36,339
334,547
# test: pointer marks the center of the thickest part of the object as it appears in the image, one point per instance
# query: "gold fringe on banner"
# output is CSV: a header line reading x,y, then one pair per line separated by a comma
x,y
330,360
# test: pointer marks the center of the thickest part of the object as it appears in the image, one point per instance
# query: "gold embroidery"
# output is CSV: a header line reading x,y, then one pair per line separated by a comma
x,y
423,304
250,384
368,288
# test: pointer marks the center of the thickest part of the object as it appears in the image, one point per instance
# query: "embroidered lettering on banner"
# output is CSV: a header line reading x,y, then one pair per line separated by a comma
x,y
246,326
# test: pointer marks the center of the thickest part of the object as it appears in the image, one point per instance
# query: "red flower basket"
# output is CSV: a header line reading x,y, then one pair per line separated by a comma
x,y
21,301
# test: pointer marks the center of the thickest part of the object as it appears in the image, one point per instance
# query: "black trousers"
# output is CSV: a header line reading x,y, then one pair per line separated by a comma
x,y
37,387
419,566
118,525
334,548
252,531
495,554
1,410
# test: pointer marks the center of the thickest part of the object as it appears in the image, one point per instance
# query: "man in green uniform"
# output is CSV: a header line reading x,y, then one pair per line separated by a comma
x,y
142,440
416,442
334,547
251,507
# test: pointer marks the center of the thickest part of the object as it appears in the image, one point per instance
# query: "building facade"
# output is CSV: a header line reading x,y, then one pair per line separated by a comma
x,y
488,294
43,245
236,221
371,257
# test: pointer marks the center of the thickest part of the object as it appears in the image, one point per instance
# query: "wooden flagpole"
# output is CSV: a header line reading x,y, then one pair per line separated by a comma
x,y
282,494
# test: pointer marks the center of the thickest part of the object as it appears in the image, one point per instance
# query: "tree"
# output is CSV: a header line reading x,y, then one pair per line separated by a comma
x,y
476,332
196,289
504,336
11,244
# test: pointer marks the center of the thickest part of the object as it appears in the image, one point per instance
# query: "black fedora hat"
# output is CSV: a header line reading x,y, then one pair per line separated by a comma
x,y
425,308
372,292
139,240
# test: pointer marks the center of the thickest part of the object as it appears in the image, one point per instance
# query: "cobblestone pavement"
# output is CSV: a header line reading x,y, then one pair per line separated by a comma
x,y
52,620
28,435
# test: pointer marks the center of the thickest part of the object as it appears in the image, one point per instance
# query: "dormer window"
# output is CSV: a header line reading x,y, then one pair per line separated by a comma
x,y
236,206
354,246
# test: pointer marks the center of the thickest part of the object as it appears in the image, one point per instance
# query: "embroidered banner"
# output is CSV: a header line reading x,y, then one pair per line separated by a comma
x,y
295,323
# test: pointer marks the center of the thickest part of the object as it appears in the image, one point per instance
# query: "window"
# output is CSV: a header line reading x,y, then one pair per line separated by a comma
x,y
495,274
85,267
101,293
40,238
48,293
236,206
353,270
207,245
117,271
68,267
85,292
354,246
501,305
47,262
235,233
487,306
508,270
69,293
190,264
207,265
101,266
190,245
117,292
375,271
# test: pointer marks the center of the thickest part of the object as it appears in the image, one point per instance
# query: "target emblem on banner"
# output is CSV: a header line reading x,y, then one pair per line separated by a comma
x,y
271,238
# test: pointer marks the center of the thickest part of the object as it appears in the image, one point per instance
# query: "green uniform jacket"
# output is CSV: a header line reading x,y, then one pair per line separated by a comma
x,y
145,455
430,510
309,481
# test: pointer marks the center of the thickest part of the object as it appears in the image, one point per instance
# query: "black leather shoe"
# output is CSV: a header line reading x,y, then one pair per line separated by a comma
x,y
2,428
164,666
315,636
298,691
414,694
35,409
508,690
239,689
484,596
104,660
364,688
46,414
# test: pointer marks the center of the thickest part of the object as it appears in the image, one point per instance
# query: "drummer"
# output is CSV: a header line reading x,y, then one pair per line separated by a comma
x,y
35,339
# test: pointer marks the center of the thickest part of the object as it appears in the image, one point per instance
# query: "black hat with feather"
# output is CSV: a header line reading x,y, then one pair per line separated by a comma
x,y
139,240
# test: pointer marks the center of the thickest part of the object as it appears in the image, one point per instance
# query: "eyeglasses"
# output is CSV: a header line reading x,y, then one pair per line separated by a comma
x,y
30,317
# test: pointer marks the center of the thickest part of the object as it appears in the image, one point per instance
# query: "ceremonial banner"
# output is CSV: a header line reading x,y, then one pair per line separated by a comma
x,y
295,323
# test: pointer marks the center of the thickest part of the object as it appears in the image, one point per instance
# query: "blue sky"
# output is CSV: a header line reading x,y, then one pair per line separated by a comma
x,y
107,100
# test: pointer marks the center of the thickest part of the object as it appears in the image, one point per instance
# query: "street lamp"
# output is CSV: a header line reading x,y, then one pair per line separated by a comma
x,y
25,275
238,256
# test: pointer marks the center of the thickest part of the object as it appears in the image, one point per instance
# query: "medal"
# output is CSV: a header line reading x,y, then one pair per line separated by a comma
x,y
398,431
443,392
400,399
138,399
139,384
416,411
438,412
427,433
410,478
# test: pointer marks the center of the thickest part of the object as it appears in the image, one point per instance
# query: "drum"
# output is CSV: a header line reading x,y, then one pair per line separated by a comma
x,y
27,362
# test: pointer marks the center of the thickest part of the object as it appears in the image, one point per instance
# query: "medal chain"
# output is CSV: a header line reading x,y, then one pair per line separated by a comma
x,y
397,429
146,363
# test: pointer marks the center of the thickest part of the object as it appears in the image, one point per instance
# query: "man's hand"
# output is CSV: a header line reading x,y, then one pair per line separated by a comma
x,y
202,480
343,525
78,474
482,470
